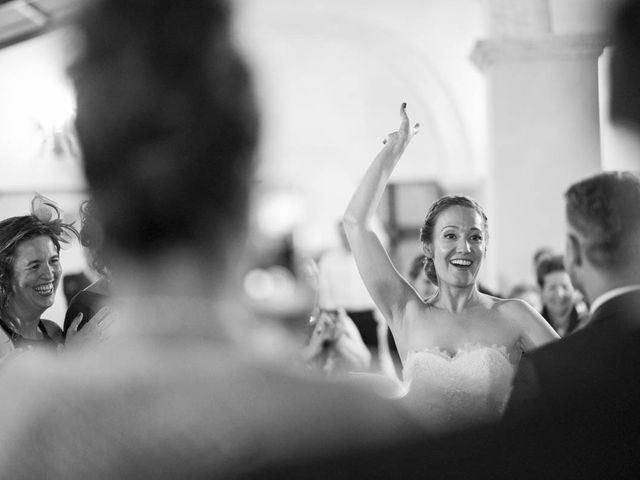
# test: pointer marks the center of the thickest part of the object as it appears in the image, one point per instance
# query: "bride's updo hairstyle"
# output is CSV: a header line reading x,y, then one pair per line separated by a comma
x,y
439,206
167,124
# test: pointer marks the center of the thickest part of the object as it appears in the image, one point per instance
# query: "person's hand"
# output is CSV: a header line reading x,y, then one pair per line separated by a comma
x,y
397,141
92,332
324,331
349,345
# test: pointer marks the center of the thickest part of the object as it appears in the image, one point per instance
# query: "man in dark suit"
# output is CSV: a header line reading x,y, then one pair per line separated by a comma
x,y
577,399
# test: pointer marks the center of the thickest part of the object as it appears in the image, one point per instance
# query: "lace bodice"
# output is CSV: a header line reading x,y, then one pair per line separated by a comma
x,y
447,391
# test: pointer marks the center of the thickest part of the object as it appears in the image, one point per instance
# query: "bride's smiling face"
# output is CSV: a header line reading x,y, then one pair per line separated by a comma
x,y
459,246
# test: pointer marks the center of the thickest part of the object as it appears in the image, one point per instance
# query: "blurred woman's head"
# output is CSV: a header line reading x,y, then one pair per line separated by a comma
x,y
29,262
454,238
167,124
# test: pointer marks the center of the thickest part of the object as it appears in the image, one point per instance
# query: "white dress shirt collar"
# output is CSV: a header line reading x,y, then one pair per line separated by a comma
x,y
606,296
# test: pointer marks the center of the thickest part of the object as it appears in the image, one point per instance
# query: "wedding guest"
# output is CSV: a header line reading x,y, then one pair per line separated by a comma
x,y
579,395
168,128
559,298
30,272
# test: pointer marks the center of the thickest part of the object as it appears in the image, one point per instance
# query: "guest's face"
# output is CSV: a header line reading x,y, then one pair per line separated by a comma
x,y
557,292
458,246
36,275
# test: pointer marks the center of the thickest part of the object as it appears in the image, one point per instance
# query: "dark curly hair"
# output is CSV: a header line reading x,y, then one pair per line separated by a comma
x,y
14,231
92,236
167,123
605,210
439,206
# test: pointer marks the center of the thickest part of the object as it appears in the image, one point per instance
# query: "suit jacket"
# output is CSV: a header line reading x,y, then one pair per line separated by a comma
x,y
73,283
600,359
579,398
88,302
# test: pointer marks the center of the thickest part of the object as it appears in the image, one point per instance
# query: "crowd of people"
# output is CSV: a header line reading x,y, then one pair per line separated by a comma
x,y
154,373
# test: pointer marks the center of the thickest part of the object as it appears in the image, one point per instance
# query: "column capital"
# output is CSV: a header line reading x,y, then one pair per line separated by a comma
x,y
489,52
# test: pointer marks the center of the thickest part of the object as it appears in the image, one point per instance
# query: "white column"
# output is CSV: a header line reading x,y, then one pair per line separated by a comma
x,y
542,97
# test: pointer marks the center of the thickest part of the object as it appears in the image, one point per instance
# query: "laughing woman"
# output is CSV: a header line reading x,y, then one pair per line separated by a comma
x,y
30,273
459,347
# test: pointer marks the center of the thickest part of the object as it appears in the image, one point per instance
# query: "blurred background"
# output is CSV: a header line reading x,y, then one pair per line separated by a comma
x,y
511,96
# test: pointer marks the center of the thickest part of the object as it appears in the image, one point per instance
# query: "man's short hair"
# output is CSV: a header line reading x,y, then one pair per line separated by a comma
x,y
605,210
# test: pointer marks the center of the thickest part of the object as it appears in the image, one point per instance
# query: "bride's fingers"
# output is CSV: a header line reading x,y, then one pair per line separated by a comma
x,y
403,116
416,128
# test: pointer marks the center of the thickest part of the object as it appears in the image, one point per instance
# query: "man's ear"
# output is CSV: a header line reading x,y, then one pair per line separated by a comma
x,y
573,254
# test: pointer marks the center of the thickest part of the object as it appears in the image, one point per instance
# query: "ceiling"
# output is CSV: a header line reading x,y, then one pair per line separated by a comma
x,y
24,19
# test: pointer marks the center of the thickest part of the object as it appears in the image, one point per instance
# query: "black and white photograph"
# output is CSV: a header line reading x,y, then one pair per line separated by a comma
x,y
319,239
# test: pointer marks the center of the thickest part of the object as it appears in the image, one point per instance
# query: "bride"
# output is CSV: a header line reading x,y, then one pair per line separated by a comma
x,y
459,347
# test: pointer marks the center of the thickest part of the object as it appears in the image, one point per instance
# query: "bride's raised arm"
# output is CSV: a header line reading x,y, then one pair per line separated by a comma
x,y
386,286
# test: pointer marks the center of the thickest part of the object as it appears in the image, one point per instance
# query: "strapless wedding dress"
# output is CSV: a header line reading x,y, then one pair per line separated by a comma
x,y
447,392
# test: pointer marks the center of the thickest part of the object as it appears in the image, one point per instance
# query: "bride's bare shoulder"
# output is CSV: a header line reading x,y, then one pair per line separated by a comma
x,y
515,305
512,307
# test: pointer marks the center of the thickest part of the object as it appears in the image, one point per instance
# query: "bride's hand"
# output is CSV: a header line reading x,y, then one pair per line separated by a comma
x,y
397,141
